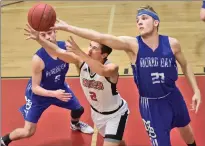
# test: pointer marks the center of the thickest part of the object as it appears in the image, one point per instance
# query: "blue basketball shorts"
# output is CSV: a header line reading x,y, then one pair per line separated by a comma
x,y
36,105
161,115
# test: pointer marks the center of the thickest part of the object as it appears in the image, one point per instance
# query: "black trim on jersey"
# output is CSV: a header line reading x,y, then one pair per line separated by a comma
x,y
110,112
120,129
81,65
91,76
113,86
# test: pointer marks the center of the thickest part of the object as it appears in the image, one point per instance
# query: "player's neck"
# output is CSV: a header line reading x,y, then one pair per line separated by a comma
x,y
152,41
52,55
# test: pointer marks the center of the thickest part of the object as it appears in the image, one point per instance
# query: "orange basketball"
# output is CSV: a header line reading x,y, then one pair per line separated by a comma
x,y
41,17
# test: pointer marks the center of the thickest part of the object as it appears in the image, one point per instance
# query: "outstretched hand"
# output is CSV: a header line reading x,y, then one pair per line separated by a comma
x,y
60,25
31,33
71,46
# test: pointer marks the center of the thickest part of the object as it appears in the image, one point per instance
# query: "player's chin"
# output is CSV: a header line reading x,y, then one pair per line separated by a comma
x,y
143,33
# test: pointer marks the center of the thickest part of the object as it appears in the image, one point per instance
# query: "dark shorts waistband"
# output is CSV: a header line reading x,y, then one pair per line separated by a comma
x,y
109,112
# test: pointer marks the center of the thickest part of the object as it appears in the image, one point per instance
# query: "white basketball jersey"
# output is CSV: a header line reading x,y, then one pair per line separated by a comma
x,y
99,91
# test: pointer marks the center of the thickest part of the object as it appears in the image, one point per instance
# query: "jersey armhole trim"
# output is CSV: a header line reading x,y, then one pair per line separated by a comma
x,y
81,65
107,78
170,47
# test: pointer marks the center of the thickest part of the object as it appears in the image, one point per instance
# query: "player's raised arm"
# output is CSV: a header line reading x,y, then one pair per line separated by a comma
x,y
108,70
62,54
117,43
52,48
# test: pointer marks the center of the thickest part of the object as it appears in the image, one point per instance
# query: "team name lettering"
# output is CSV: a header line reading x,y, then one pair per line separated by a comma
x,y
93,84
56,70
155,62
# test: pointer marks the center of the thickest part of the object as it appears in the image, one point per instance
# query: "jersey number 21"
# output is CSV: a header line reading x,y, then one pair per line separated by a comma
x,y
157,77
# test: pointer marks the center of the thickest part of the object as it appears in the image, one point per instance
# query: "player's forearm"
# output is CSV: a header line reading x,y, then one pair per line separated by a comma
x,y
116,43
84,33
190,76
49,46
94,65
43,92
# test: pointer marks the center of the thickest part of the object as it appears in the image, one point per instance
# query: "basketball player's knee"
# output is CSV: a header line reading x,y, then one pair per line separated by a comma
x,y
187,134
28,131
110,142
122,143
77,113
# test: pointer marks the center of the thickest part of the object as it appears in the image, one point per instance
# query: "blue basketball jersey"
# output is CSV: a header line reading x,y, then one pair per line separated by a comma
x,y
155,72
53,75
53,78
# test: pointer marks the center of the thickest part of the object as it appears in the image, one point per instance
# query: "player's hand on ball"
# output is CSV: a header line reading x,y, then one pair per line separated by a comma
x,y
31,33
62,95
196,101
71,46
60,25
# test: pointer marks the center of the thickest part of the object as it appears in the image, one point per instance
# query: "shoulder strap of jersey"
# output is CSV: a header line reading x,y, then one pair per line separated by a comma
x,y
82,66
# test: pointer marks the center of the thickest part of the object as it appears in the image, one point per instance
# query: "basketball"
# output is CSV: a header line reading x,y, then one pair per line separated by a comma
x,y
41,17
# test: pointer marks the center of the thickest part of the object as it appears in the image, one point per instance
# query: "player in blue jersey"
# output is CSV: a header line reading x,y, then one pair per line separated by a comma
x,y
202,11
47,87
153,59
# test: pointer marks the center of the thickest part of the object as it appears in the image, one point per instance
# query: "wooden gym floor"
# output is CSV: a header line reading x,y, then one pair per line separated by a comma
x,y
178,19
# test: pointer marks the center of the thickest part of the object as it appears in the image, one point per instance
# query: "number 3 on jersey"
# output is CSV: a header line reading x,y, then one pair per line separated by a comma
x,y
93,96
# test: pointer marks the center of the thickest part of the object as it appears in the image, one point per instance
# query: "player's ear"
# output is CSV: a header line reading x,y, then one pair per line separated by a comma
x,y
156,23
104,55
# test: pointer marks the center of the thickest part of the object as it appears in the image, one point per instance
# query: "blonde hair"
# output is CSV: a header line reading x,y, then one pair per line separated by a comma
x,y
147,7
